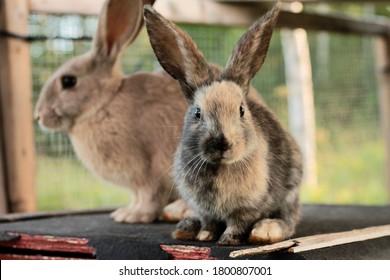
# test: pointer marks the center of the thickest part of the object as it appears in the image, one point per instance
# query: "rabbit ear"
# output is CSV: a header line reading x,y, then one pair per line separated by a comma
x,y
120,21
250,51
177,53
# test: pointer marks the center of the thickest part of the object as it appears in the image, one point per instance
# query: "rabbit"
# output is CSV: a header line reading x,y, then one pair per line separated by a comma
x,y
236,167
123,129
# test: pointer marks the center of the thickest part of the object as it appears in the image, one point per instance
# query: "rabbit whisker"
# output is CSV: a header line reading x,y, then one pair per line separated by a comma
x,y
193,161
200,168
197,168
193,167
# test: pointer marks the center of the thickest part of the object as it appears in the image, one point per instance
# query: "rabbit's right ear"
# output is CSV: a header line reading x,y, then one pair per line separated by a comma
x,y
251,50
120,21
177,53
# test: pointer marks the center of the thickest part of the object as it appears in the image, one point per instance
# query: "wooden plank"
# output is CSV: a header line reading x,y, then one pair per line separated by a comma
x,y
81,7
318,241
47,243
185,252
383,74
215,13
375,26
304,1
93,7
17,116
33,257
211,12
334,239
264,249
299,82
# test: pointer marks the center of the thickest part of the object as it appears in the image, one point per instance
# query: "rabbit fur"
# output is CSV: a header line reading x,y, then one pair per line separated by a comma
x,y
124,129
236,166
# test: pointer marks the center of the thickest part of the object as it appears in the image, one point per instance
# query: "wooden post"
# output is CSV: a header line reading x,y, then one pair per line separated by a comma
x,y
300,98
3,192
383,65
16,102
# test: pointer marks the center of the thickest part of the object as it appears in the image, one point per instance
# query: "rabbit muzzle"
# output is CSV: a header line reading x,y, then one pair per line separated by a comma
x,y
217,149
50,120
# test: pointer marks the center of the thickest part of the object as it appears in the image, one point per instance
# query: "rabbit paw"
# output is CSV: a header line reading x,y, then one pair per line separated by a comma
x,y
205,235
229,240
176,211
268,231
133,216
187,229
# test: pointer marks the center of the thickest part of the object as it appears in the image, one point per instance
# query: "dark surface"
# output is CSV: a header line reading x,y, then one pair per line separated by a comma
x,y
125,241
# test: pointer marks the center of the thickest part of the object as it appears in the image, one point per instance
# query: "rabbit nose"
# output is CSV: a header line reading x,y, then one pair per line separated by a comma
x,y
218,144
37,115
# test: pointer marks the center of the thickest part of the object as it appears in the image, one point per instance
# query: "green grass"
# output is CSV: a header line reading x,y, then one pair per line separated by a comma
x,y
351,174
63,183
348,174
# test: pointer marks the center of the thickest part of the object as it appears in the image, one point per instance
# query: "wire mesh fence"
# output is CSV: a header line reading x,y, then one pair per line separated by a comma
x,y
349,141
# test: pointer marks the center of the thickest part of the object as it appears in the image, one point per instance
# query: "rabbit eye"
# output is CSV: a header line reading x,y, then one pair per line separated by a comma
x,y
68,81
242,111
197,113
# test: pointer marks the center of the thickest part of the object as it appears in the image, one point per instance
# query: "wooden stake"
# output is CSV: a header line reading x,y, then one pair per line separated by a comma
x,y
334,239
264,249
383,74
300,98
3,191
318,241
16,102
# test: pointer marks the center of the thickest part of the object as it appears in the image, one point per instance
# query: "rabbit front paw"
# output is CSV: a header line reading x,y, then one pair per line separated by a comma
x,y
187,229
133,216
176,211
229,240
269,231
206,235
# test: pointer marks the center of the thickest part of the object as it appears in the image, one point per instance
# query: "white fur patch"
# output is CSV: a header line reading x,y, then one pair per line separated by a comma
x,y
205,235
268,231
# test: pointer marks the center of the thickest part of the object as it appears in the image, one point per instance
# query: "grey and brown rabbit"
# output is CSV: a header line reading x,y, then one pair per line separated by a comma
x,y
124,129
236,166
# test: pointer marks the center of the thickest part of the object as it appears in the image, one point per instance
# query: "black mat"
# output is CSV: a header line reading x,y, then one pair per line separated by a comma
x,y
125,241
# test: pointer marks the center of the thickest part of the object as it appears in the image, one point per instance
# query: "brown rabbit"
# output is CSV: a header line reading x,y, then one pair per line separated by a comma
x,y
236,167
124,129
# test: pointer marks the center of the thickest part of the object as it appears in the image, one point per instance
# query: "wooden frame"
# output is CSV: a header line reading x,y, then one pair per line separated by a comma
x,y
303,1
3,194
17,156
16,96
240,14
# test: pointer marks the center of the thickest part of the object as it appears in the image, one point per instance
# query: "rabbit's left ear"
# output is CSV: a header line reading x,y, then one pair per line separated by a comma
x,y
120,21
250,51
177,53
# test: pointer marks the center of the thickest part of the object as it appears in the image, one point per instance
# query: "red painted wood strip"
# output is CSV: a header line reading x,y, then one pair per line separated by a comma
x,y
49,243
183,252
33,257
